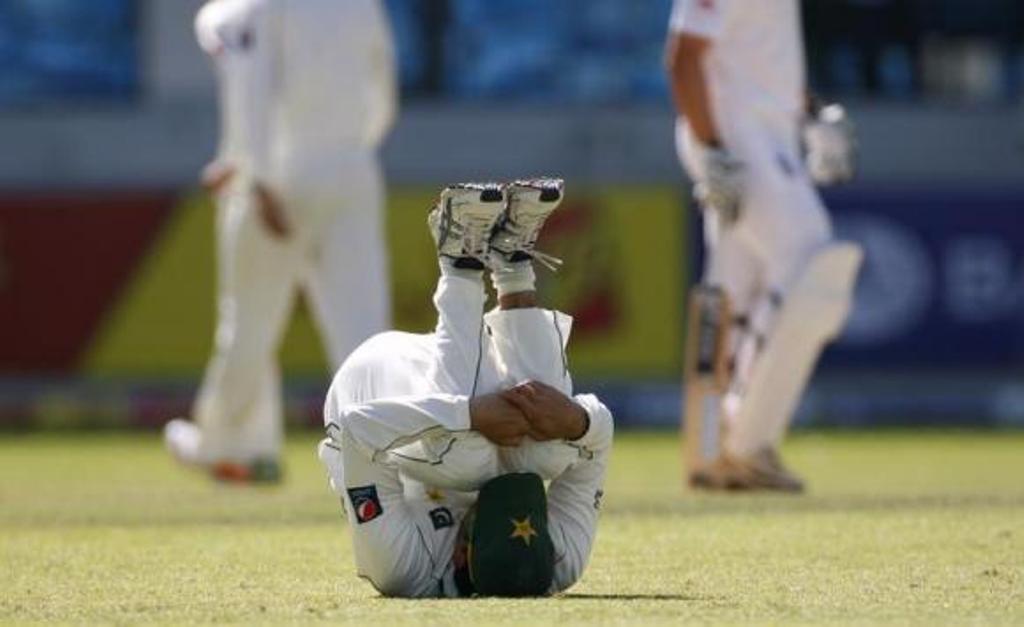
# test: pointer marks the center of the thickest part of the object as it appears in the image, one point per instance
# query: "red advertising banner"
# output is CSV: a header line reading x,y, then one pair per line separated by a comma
x,y
63,259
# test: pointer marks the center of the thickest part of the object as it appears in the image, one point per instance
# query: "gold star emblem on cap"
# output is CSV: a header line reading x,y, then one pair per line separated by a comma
x,y
522,529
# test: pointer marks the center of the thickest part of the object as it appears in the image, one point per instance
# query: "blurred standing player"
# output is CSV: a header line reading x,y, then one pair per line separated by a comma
x,y
307,95
776,287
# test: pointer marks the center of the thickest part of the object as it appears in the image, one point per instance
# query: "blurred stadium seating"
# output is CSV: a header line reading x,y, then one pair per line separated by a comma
x,y
61,52
580,51
107,111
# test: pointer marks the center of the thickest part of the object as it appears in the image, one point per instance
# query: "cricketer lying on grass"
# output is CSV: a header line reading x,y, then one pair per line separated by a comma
x,y
776,286
400,414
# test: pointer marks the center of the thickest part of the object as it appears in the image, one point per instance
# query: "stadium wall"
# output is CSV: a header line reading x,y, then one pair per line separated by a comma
x,y
164,141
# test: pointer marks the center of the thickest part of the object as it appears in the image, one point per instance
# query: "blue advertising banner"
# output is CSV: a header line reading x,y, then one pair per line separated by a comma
x,y
942,285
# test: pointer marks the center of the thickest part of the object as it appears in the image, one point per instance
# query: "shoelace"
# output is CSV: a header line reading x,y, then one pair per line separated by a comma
x,y
550,262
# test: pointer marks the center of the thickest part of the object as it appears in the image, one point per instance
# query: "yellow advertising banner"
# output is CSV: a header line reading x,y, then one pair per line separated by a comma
x,y
623,281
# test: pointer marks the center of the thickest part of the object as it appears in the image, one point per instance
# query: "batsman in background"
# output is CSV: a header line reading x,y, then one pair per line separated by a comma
x,y
776,287
307,95
438,443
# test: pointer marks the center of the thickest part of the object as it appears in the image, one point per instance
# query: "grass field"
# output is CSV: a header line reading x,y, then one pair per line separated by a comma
x,y
898,527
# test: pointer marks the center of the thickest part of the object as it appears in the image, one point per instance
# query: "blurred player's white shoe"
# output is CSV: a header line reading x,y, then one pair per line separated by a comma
x,y
775,474
182,438
762,471
463,221
530,202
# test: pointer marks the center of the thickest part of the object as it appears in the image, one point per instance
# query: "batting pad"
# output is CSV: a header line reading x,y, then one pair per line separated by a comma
x,y
814,311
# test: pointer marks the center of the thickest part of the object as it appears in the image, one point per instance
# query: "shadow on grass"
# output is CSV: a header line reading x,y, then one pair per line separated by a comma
x,y
569,596
634,597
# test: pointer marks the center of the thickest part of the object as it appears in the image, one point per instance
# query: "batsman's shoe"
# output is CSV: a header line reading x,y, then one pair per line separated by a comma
x,y
530,202
721,474
761,471
773,474
463,221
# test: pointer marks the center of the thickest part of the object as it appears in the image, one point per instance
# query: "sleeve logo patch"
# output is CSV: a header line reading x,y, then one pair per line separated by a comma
x,y
441,518
365,503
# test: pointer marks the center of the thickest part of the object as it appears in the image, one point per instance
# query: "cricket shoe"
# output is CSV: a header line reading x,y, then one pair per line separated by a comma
x,y
253,471
773,474
763,470
182,438
463,221
530,202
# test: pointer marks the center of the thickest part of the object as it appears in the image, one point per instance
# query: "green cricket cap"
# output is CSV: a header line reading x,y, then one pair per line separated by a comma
x,y
510,549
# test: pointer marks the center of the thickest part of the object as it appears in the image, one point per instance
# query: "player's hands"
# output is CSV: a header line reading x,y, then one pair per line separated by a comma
x,y
550,414
498,420
722,186
216,176
271,212
831,146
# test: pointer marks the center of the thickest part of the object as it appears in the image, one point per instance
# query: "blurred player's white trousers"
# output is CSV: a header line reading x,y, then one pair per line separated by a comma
x,y
335,255
783,225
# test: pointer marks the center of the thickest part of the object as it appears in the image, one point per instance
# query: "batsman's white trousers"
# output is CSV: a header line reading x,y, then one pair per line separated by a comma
x,y
398,416
783,225
335,254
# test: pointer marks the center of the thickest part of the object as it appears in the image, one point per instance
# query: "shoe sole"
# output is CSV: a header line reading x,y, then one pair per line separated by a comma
x,y
540,208
489,206
756,482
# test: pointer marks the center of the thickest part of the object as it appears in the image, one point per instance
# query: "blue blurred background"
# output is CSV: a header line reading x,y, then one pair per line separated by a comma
x,y
107,111
572,51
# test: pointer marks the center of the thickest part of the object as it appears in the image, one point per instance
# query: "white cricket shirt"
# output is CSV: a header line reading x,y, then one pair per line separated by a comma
x,y
755,65
301,81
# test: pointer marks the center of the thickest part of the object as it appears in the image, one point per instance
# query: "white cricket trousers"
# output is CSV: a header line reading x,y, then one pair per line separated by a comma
x,y
783,225
335,253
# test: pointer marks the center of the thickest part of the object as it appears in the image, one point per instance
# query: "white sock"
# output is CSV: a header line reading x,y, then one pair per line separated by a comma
x,y
448,269
512,278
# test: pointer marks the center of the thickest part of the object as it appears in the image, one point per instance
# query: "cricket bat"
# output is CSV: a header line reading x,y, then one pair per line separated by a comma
x,y
705,375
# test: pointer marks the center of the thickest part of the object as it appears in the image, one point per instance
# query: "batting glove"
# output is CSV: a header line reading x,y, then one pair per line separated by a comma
x,y
722,186
831,146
